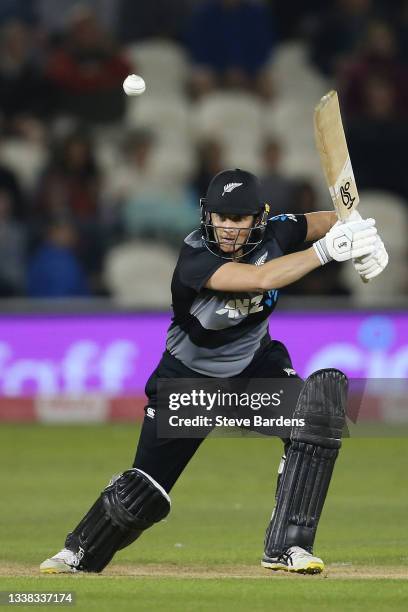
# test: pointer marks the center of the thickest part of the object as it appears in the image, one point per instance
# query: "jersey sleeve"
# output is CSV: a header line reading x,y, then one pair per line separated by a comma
x,y
289,230
196,266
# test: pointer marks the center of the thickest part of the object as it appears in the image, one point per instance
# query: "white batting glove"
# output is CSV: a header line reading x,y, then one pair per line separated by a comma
x,y
347,240
370,266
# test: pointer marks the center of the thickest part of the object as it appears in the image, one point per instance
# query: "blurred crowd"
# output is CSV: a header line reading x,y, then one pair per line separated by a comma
x,y
81,168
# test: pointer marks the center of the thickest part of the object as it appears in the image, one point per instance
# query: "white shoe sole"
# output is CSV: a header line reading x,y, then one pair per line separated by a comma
x,y
52,566
313,567
274,566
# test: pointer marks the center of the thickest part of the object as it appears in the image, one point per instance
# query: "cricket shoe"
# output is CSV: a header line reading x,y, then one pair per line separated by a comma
x,y
64,562
296,560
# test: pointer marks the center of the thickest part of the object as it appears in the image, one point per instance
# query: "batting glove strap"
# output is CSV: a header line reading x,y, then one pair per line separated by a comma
x,y
322,253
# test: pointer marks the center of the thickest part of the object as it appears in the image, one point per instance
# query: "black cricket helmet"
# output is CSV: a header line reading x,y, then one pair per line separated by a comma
x,y
233,193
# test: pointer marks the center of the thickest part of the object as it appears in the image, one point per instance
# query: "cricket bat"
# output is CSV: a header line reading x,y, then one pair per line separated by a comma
x,y
334,156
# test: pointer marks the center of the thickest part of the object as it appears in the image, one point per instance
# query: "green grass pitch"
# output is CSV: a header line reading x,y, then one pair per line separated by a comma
x,y
205,556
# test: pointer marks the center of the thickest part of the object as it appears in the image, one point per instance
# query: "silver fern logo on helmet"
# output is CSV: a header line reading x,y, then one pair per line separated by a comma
x,y
230,187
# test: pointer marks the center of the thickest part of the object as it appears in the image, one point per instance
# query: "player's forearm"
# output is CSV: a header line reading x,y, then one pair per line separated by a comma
x,y
279,272
319,223
288,269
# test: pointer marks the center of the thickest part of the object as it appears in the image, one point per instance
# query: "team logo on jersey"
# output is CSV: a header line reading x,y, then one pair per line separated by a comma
x,y
230,187
150,412
262,259
271,297
290,371
241,308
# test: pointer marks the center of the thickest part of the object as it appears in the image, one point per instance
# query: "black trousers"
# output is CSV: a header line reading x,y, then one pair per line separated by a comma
x,y
165,458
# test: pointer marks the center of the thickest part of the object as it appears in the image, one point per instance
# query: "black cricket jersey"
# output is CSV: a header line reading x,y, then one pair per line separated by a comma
x,y
218,333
